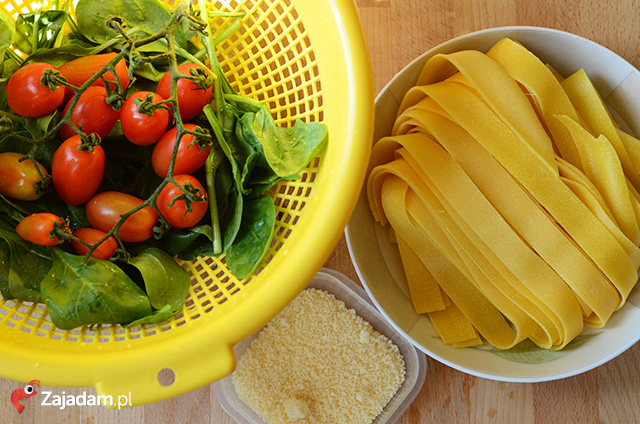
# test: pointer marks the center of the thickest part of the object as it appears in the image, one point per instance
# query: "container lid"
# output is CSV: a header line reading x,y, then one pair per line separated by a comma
x,y
355,298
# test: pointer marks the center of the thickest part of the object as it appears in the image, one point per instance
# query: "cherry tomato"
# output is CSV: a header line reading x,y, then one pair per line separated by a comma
x,y
104,210
78,71
140,128
191,97
92,113
189,159
77,174
27,96
176,214
91,236
17,178
37,228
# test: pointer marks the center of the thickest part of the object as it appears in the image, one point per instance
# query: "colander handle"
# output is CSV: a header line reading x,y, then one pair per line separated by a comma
x,y
166,375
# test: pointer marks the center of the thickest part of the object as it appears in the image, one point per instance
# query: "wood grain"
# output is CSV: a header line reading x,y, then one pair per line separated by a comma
x,y
398,31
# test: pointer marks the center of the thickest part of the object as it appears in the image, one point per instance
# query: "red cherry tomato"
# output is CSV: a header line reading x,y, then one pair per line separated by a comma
x,y
77,174
91,236
78,71
38,227
140,128
17,178
189,158
92,113
176,214
27,96
104,210
191,97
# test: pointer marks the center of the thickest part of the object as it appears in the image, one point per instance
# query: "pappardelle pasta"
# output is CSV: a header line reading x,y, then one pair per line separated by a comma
x,y
513,197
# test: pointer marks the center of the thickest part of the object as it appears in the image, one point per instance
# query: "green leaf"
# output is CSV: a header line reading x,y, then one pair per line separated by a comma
x,y
166,282
7,29
99,291
187,243
38,127
156,317
5,258
148,16
527,352
48,24
128,168
252,242
288,150
24,265
62,54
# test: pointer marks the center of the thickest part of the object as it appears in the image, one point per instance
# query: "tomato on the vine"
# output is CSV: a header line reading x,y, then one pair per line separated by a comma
x,y
140,128
92,114
19,180
91,236
27,96
77,170
189,159
78,71
38,228
174,209
191,97
104,211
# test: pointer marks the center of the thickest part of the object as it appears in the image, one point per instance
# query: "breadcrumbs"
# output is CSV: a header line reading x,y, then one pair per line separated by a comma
x,y
319,362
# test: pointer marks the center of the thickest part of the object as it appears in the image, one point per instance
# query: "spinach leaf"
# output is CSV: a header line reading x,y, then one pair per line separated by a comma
x,y
24,266
5,258
214,160
50,202
38,127
288,149
148,16
252,242
7,29
7,38
128,168
231,219
39,29
158,316
99,291
166,282
13,212
62,54
188,243
229,201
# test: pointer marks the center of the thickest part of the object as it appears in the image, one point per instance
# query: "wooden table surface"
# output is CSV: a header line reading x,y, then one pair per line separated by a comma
x,y
397,32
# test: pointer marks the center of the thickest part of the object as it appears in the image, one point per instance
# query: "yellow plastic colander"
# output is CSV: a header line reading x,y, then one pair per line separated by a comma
x,y
305,59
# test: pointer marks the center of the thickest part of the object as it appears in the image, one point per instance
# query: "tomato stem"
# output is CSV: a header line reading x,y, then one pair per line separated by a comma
x,y
129,45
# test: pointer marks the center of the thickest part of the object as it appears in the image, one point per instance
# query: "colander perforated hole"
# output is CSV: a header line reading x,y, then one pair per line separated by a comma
x,y
166,377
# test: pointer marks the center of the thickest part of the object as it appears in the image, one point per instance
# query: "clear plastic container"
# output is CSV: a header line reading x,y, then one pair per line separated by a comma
x,y
354,298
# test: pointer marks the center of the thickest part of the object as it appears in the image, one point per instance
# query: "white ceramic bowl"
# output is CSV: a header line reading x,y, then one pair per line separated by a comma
x,y
378,263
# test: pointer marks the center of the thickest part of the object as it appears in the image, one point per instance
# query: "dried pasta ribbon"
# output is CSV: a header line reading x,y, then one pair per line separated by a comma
x,y
602,167
597,296
592,109
545,89
589,233
520,274
499,90
512,189
423,288
482,313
